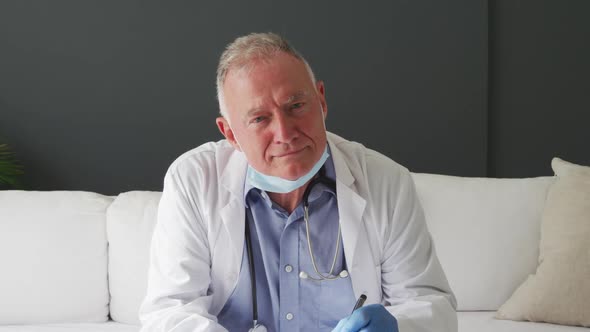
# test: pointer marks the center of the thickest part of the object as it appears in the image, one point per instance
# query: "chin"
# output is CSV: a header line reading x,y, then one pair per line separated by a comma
x,y
293,172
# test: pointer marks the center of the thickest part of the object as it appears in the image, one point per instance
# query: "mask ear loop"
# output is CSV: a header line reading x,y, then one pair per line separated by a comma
x,y
323,118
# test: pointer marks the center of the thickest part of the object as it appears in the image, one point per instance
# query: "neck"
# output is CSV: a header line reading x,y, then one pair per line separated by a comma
x,y
289,201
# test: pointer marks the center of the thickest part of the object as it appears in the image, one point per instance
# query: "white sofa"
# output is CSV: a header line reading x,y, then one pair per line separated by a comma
x,y
77,261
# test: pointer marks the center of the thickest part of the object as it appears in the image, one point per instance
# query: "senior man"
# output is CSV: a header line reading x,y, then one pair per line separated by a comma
x,y
282,226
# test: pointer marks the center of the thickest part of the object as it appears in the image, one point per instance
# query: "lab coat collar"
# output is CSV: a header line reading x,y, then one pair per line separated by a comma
x,y
233,175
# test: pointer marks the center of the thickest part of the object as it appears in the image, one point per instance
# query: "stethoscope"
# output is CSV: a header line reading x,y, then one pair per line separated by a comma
x,y
257,327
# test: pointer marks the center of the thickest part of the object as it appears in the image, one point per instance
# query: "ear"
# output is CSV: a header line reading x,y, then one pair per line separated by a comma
x,y
322,94
227,132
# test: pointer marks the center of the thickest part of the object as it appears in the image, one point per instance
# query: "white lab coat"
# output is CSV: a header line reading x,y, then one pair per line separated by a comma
x,y
198,241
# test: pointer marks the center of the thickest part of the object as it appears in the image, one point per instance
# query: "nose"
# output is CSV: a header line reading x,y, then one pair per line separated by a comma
x,y
284,129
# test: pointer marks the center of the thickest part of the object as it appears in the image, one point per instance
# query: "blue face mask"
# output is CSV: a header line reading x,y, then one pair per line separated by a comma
x,y
279,185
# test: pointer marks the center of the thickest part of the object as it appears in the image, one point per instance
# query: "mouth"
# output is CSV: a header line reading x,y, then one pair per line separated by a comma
x,y
289,153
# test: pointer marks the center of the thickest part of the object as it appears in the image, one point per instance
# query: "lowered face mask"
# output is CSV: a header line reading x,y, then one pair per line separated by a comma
x,y
279,185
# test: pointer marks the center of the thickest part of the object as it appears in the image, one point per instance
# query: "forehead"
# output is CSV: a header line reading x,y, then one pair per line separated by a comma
x,y
259,75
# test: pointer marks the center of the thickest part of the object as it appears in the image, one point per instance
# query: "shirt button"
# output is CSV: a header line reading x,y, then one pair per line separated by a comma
x,y
288,268
289,316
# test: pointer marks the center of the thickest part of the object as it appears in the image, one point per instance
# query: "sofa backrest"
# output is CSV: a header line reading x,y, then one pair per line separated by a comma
x,y
53,246
486,233
130,223
53,255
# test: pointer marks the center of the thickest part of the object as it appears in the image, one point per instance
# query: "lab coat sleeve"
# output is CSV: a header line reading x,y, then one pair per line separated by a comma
x,y
177,296
415,289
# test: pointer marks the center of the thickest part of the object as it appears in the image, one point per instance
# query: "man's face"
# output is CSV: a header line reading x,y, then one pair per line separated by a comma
x,y
277,116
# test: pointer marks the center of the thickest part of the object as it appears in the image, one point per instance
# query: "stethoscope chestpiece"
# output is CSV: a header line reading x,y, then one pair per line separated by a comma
x,y
258,328
305,275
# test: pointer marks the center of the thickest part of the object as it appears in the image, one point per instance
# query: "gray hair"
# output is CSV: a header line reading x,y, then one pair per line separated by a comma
x,y
241,52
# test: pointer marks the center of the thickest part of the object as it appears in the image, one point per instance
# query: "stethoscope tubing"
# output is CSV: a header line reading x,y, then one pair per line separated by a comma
x,y
252,275
320,179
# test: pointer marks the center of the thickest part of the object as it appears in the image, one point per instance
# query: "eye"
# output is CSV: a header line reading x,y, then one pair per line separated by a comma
x,y
297,106
257,119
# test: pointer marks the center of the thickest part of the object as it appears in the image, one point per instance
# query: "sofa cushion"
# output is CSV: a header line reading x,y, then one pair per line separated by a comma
x,y
109,326
559,291
130,223
53,250
486,233
485,322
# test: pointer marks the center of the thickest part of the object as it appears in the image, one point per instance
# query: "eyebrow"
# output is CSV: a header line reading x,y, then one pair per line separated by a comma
x,y
296,96
292,98
252,111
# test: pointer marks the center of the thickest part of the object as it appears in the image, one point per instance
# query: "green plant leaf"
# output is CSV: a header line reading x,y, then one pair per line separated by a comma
x,y
10,168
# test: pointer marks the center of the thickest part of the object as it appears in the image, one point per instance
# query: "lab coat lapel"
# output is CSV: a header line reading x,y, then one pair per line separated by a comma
x,y
233,215
351,207
360,262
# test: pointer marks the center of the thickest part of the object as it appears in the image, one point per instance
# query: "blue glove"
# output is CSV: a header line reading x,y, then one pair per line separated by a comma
x,y
373,317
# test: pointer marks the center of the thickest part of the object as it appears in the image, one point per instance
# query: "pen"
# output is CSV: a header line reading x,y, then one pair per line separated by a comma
x,y
360,302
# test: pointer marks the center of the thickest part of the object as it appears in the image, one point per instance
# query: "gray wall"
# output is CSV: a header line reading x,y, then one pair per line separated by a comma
x,y
102,96
539,85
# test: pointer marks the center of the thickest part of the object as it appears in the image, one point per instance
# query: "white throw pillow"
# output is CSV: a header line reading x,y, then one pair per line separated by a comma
x,y
486,233
130,224
53,254
559,292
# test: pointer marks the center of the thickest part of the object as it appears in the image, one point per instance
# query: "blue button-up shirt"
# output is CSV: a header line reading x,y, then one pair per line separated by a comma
x,y
279,246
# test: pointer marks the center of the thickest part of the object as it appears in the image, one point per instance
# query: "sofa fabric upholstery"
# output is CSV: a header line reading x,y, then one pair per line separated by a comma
x,y
109,326
559,291
130,223
486,233
484,321
53,251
